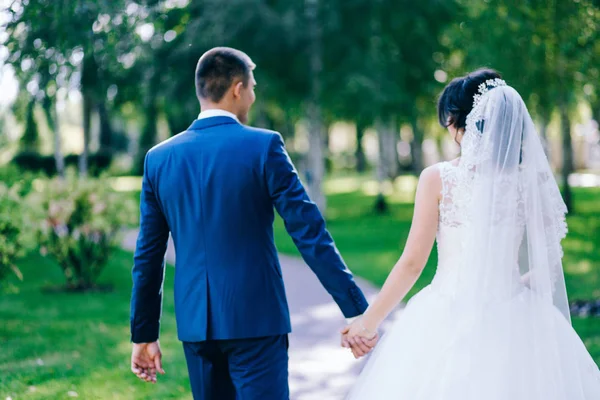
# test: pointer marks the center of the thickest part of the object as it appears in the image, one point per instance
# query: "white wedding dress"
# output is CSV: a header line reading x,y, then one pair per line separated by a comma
x,y
507,342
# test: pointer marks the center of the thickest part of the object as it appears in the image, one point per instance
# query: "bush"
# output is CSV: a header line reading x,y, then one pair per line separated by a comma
x,y
35,162
12,238
81,220
100,162
21,181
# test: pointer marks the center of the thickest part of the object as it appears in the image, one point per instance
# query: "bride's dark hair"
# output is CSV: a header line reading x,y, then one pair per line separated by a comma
x,y
456,101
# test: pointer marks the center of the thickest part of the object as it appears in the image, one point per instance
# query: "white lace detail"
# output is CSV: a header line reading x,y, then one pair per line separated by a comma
x,y
455,199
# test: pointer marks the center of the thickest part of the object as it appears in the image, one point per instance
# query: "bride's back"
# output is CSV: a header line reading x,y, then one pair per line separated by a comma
x,y
455,229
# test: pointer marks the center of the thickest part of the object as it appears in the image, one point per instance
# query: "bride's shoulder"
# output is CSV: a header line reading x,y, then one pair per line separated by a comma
x,y
445,165
446,168
437,171
431,178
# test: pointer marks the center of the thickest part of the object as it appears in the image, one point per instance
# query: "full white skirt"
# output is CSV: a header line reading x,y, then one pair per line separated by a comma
x,y
444,349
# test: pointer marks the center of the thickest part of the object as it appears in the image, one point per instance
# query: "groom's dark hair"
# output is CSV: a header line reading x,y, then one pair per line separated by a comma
x,y
217,70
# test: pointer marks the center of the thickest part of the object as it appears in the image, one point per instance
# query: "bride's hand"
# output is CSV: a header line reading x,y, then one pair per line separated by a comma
x,y
359,338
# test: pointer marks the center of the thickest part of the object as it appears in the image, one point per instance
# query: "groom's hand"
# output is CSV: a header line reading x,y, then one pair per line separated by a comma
x,y
146,360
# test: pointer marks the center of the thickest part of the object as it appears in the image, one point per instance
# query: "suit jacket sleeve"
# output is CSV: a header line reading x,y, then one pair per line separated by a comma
x,y
149,265
306,226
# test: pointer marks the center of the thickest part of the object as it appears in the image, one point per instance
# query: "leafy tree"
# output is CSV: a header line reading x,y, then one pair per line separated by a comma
x,y
82,44
545,49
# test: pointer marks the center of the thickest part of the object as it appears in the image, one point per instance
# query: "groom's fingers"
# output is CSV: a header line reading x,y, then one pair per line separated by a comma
x,y
158,364
142,372
150,375
137,368
140,362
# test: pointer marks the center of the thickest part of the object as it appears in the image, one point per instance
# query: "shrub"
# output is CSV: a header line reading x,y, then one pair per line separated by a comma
x,y
21,181
35,162
12,238
40,163
97,162
81,220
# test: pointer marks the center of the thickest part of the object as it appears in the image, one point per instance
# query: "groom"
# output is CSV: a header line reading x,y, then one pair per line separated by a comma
x,y
214,187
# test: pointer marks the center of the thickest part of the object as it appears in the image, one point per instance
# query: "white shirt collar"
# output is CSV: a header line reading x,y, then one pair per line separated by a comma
x,y
217,113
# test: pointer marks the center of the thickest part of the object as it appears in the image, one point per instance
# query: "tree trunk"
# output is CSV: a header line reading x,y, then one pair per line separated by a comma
x,y
52,119
392,134
439,142
361,161
567,145
316,162
383,165
388,155
30,138
89,80
87,127
106,132
178,119
148,136
261,119
544,134
315,158
326,149
289,126
416,147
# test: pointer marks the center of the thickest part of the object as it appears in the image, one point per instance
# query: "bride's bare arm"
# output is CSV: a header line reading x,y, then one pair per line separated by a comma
x,y
414,257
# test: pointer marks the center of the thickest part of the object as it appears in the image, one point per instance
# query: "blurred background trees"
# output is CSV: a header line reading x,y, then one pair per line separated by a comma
x,y
88,86
351,84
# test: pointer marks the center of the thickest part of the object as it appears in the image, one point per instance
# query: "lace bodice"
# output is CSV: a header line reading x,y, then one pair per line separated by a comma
x,y
454,218
455,200
452,223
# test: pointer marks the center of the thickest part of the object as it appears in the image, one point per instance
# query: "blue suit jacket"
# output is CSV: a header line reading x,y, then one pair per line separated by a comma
x,y
214,187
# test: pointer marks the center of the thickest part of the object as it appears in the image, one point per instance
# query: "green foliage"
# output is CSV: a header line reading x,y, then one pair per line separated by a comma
x,y
35,162
79,225
41,163
545,49
20,181
12,230
98,162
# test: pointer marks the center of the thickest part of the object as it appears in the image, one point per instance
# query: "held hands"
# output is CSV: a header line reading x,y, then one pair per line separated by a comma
x,y
359,338
146,361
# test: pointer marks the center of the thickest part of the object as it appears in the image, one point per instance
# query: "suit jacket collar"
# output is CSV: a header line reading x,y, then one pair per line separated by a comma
x,y
204,123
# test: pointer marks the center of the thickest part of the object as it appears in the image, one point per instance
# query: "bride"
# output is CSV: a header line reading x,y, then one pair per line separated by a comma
x,y
494,323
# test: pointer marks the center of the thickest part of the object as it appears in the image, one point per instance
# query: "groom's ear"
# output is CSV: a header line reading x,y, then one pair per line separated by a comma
x,y
237,89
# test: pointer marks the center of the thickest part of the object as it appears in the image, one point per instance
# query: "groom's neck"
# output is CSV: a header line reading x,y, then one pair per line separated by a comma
x,y
205,106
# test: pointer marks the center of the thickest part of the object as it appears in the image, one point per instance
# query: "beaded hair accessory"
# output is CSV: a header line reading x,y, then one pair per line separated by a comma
x,y
486,87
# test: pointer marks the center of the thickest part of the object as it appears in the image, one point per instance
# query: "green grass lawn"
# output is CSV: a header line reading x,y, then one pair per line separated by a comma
x,y
53,344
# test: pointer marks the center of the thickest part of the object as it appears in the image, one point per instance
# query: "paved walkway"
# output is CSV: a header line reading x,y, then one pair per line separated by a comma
x,y
319,368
